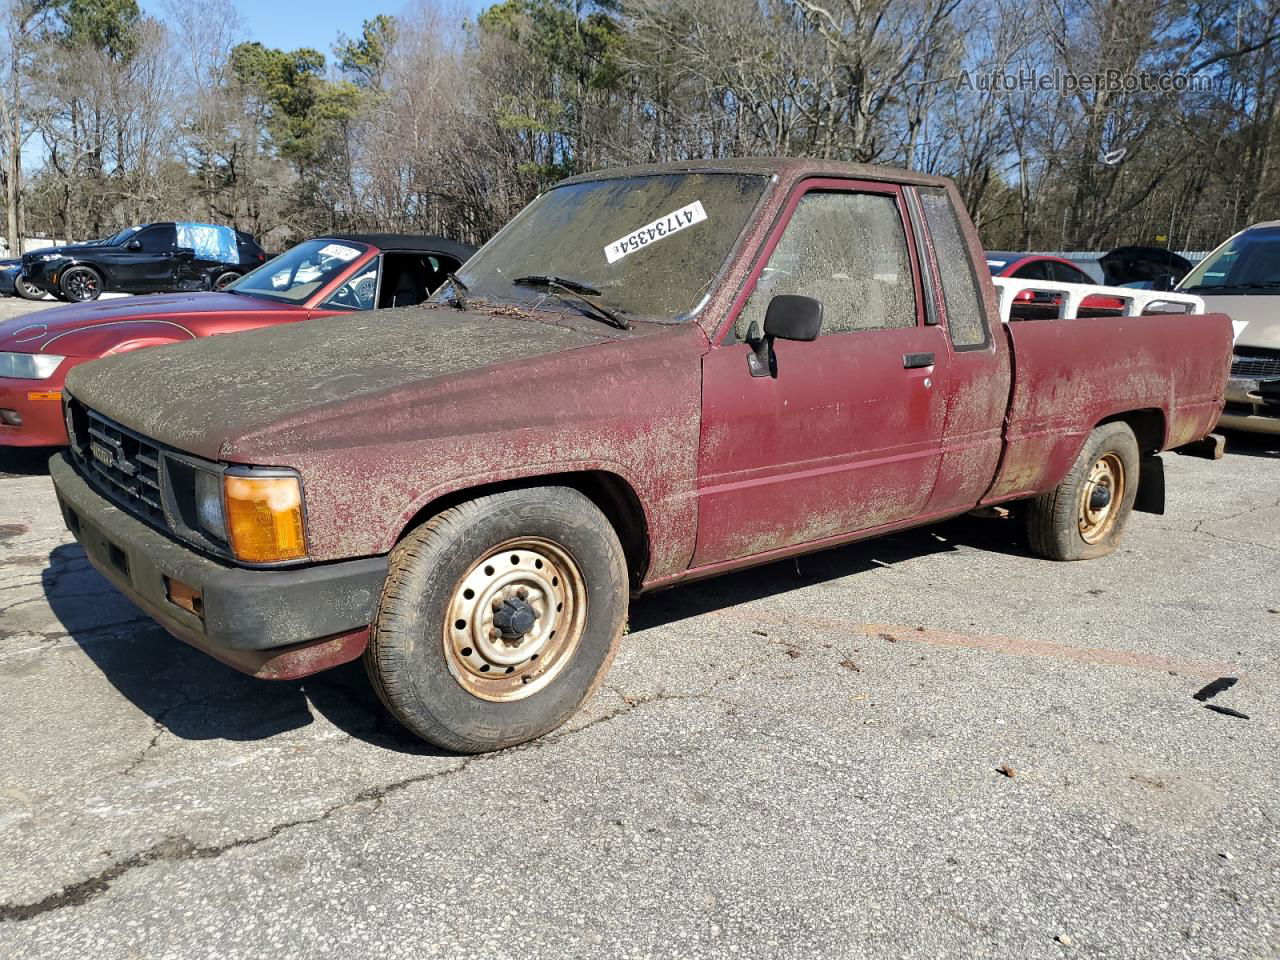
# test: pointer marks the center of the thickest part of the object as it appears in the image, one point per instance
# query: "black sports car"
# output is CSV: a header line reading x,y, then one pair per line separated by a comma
x,y
152,258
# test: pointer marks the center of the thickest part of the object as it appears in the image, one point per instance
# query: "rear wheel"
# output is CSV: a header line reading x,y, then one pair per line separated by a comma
x,y
1084,516
499,618
225,279
80,284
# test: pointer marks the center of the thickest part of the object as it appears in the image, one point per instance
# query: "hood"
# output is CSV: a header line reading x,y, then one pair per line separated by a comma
x,y
1259,312
41,331
70,250
198,396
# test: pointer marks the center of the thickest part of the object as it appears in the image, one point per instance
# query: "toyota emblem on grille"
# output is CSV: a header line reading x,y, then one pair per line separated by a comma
x,y
111,457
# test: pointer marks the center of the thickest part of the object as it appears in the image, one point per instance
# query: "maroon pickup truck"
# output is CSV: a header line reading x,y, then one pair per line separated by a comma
x,y
649,376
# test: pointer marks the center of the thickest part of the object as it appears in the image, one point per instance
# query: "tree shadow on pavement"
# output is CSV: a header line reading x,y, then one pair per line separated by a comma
x,y
195,697
25,461
759,583
189,693
1244,444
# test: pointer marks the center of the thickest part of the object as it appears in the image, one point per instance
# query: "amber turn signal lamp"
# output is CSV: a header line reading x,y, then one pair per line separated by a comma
x,y
185,596
264,518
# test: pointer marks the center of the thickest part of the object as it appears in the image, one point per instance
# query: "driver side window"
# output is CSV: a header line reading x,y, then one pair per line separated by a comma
x,y
360,292
848,250
160,239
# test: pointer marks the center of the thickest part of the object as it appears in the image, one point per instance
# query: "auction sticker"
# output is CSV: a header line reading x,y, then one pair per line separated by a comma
x,y
674,222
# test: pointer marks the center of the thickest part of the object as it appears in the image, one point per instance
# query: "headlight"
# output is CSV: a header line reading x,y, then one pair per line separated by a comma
x,y
29,366
263,516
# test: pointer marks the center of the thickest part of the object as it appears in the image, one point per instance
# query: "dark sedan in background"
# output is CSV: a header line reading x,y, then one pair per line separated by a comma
x,y
152,258
12,283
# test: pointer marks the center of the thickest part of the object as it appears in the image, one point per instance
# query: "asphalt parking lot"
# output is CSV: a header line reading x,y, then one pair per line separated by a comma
x,y
803,760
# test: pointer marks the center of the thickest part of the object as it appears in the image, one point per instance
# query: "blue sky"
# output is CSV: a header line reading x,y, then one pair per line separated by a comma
x,y
290,24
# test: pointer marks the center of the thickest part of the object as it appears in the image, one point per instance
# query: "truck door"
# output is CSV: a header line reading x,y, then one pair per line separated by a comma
x,y
847,436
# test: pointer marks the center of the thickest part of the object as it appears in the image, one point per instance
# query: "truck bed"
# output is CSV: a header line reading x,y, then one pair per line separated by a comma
x,y
1071,373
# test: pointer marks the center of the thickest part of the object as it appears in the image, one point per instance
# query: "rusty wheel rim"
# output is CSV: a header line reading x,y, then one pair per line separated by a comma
x,y
515,619
1101,498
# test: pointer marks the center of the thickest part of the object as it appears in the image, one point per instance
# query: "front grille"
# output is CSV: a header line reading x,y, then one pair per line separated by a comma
x,y
124,464
1255,363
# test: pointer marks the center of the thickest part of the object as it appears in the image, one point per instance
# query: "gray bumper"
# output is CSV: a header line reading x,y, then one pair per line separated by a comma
x,y
1248,409
242,609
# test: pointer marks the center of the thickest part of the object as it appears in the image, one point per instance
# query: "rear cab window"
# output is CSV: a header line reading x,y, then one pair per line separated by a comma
x,y
965,309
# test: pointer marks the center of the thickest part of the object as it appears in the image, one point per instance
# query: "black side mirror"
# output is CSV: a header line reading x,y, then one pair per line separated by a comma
x,y
789,317
792,317
133,245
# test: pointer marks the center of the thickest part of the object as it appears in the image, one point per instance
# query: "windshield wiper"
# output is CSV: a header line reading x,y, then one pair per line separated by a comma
x,y
460,291
578,291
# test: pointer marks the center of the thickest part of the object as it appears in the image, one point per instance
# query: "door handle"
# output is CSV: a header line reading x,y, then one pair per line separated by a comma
x,y
911,361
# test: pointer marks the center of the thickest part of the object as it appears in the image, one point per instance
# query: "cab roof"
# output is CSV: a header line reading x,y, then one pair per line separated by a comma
x,y
788,169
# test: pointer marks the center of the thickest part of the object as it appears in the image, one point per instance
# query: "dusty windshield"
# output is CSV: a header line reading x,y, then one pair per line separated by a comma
x,y
648,247
300,271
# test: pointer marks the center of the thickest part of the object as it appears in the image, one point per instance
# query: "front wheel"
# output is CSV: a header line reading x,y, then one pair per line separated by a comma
x,y
1084,516
80,284
27,290
499,618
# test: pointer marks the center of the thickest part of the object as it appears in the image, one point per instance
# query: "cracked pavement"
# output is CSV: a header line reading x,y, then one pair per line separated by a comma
x,y
796,761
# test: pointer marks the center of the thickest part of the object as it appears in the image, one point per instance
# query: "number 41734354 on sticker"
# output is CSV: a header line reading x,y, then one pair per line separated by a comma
x,y
673,222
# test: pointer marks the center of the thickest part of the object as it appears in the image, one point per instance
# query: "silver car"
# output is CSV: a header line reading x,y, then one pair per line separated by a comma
x,y
1242,278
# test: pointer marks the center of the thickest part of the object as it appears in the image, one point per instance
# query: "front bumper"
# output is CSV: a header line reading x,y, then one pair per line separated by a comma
x,y
38,403
1249,408
38,275
276,624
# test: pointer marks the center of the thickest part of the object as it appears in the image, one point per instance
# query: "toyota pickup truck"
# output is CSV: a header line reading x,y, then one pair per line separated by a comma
x,y
649,376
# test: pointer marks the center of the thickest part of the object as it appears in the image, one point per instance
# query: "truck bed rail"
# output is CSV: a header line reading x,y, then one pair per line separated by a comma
x,y
1136,302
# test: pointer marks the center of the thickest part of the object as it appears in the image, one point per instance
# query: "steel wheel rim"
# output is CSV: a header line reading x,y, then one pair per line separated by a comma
x,y
81,284
528,575
1097,521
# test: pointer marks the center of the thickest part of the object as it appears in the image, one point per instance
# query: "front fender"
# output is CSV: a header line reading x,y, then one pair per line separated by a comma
x,y
117,336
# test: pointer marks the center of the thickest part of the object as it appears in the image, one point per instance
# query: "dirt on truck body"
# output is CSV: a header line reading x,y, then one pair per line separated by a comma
x,y
650,375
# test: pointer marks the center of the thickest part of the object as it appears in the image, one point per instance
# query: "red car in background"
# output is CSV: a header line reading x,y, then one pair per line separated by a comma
x,y
317,278
1035,266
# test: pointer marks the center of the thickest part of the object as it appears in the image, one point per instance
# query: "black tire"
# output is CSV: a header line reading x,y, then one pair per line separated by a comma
x,y
412,660
1071,522
221,281
80,284
26,290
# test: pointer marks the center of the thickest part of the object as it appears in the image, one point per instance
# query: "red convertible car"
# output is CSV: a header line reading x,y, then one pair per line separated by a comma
x,y
1038,266
318,278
